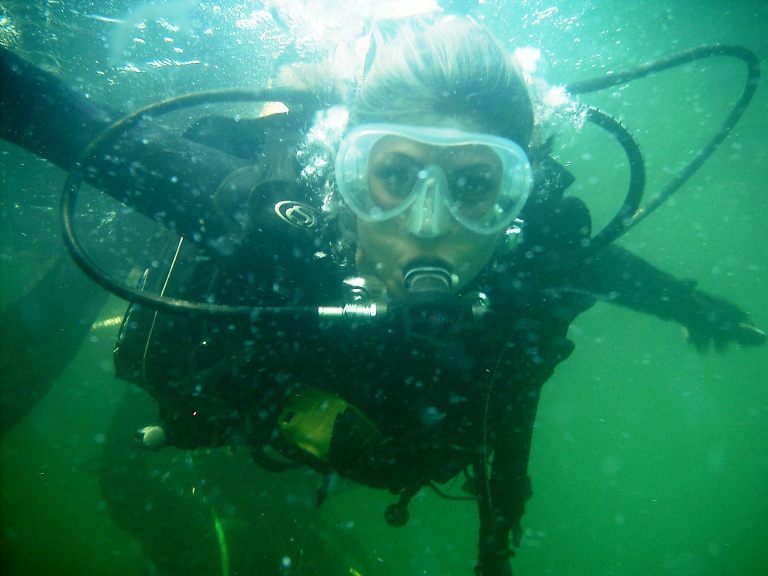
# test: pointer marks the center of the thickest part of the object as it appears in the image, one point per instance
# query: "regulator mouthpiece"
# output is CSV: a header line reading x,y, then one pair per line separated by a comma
x,y
427,279
431,308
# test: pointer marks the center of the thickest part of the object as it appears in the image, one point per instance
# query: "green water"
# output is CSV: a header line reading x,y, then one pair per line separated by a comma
x,y
648,458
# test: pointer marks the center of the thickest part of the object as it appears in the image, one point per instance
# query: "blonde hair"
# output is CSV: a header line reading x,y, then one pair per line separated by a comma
x,y
454,69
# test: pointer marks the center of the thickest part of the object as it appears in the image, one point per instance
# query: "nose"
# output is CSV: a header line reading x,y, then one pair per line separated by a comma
x,y
428,216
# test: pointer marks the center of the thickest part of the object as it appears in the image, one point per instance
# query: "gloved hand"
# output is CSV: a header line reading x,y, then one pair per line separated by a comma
x,y
712,321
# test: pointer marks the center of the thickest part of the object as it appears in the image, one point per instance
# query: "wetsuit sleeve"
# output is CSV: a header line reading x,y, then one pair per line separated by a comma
x,y
505,488
160,173
39,113
618,276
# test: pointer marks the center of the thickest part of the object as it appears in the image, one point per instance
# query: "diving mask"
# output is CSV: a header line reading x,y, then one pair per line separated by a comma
x,y
481,181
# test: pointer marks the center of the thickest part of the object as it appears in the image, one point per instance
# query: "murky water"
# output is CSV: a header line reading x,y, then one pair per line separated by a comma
x,y
648,457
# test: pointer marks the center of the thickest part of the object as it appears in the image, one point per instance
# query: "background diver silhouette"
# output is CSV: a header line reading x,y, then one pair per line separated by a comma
x,y
43,116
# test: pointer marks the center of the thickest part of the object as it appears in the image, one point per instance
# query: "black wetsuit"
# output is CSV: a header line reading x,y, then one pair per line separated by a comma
x,y
441,404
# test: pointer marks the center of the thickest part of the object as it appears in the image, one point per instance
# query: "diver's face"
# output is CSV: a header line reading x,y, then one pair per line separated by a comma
x,y
425,234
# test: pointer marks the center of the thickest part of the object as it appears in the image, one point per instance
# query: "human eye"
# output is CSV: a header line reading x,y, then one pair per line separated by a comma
x,y
394,177
476,183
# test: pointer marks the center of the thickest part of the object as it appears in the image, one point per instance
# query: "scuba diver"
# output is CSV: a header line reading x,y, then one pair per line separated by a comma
x,y
375,283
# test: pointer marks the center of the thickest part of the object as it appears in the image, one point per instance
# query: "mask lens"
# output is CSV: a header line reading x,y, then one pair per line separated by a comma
x,y
379,168
392,175
474,174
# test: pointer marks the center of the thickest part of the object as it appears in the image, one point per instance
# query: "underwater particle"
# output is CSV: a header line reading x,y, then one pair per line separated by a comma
x,y
432,416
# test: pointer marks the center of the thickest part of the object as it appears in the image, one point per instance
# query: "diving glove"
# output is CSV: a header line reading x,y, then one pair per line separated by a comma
x,y
714,322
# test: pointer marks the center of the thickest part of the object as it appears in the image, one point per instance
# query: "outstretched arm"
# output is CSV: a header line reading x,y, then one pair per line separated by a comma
x,y
39,113
157,172
616,275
